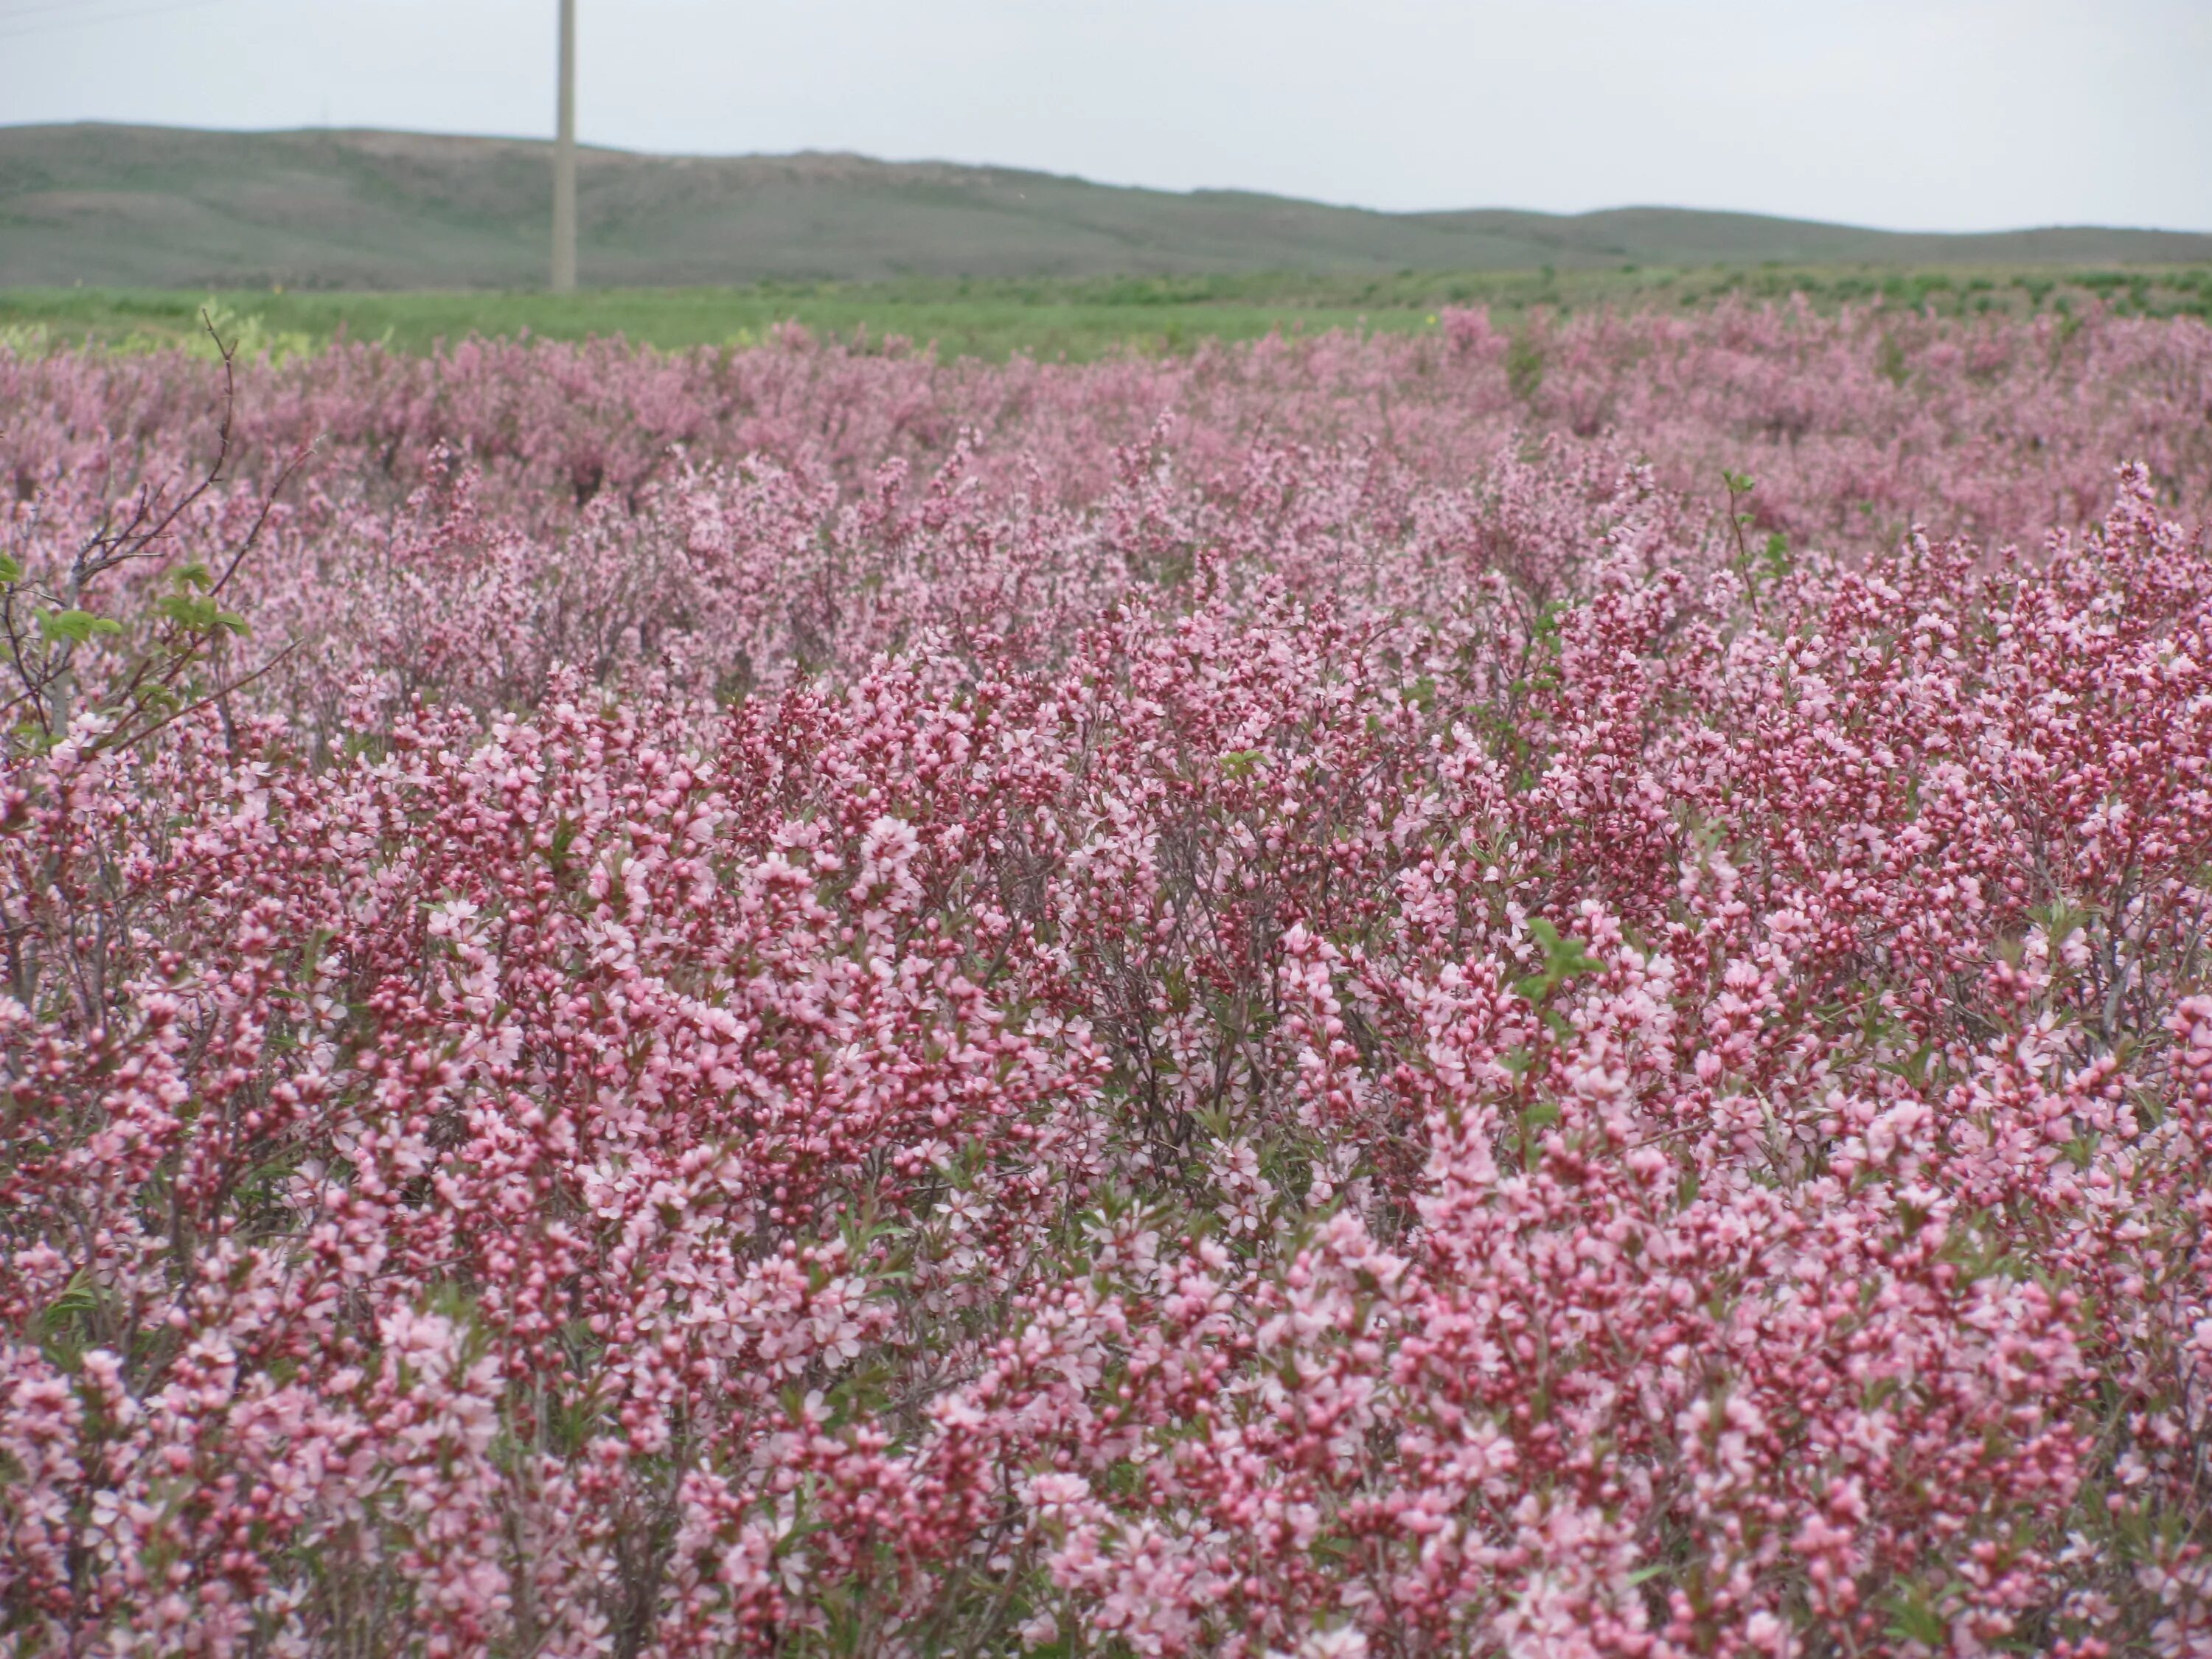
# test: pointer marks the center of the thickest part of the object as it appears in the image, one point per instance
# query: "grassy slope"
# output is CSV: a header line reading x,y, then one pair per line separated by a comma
x,y
115,206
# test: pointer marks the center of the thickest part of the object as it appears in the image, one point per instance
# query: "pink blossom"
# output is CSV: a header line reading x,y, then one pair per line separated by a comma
x,y
1279,1003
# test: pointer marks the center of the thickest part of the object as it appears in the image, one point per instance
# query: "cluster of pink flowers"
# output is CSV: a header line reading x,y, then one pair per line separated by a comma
x,y
1321,1000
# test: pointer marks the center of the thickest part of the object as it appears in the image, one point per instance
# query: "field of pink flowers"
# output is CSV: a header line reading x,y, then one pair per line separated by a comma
x,y
1540,995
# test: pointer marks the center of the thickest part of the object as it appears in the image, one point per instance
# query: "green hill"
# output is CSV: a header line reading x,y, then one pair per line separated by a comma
x,y
154,207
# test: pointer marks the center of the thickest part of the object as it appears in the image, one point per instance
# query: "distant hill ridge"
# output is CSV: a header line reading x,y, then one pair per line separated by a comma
x,y
164,207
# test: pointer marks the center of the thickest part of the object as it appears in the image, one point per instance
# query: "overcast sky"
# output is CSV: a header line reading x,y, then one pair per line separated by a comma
x,y
1909,114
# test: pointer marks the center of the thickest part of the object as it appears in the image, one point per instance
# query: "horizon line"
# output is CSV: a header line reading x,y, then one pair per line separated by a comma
x,y
1097,184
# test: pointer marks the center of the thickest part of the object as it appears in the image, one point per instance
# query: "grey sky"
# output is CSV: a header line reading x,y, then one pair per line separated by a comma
x,y
1913,114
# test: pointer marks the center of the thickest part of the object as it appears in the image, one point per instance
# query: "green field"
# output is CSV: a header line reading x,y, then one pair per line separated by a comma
x,y
1074,319
120,234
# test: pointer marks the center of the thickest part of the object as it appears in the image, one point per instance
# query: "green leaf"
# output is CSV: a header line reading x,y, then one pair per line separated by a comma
x,y
199,616
77,626
1564,958
60,1329
80,1296
564,834
1916,1620
9,570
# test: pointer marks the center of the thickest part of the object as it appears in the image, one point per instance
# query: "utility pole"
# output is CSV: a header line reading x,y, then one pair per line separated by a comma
x,y
564,161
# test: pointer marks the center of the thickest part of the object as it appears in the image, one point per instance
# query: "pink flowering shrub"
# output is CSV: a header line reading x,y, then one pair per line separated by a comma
x,y
1321,1000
